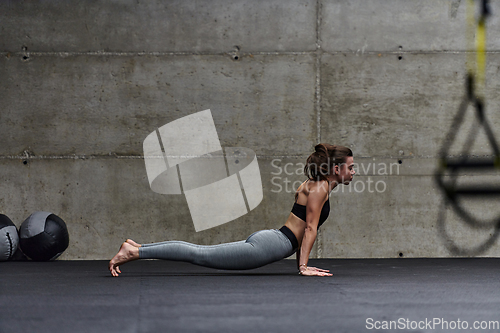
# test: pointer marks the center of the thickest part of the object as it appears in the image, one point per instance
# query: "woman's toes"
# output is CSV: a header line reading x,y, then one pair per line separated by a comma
x,y
131,242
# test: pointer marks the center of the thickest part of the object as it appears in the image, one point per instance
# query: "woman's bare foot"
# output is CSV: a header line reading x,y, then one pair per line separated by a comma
x,y
131,242
126,253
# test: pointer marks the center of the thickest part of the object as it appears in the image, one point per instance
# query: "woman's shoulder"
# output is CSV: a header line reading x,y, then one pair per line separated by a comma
x,y
316,188
320,186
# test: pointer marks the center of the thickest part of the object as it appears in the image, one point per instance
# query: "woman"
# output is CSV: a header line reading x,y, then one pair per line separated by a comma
x,y
326,168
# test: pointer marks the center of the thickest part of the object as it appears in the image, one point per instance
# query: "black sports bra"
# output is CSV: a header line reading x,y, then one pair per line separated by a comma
x,y
300,212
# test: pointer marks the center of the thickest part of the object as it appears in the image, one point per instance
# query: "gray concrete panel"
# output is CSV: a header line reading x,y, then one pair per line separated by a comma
x,y
390,208
379,105
158,26
100,105
401,221
107,200
394,25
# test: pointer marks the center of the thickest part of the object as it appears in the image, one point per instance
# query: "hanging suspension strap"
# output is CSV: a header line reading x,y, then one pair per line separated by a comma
x,y
449,167
475,86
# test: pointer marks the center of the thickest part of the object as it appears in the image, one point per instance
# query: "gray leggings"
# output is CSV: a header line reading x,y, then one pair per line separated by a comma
x,y
260,248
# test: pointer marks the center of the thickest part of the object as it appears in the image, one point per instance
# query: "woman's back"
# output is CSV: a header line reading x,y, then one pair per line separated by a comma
x,y
297,220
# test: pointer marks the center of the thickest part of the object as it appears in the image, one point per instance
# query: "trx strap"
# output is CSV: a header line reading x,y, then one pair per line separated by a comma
x,y
447,173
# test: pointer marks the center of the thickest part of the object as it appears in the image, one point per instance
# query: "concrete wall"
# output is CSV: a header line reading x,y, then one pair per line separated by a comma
x,y
83,83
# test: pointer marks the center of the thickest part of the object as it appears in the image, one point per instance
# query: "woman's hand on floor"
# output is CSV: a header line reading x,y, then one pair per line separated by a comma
x,y
313,271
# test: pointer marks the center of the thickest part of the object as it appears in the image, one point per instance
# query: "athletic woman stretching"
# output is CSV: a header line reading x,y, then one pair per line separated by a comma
x,y
326,168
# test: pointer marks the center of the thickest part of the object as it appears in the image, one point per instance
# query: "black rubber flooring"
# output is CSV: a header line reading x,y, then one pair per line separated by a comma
x,y
168,296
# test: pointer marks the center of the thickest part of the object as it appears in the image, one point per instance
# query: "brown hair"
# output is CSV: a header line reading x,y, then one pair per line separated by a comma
x,y
320,162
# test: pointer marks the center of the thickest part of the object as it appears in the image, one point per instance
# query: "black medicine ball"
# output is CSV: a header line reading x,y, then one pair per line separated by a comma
x,y
9,238
43,236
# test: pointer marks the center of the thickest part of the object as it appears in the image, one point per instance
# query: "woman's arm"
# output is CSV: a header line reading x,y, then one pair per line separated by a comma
x,y
315,201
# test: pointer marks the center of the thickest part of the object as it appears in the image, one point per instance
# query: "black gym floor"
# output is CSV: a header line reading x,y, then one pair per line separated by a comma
x,y
168,296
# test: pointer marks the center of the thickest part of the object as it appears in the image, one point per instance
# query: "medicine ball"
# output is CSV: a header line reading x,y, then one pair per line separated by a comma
x,y
43,236
9,238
